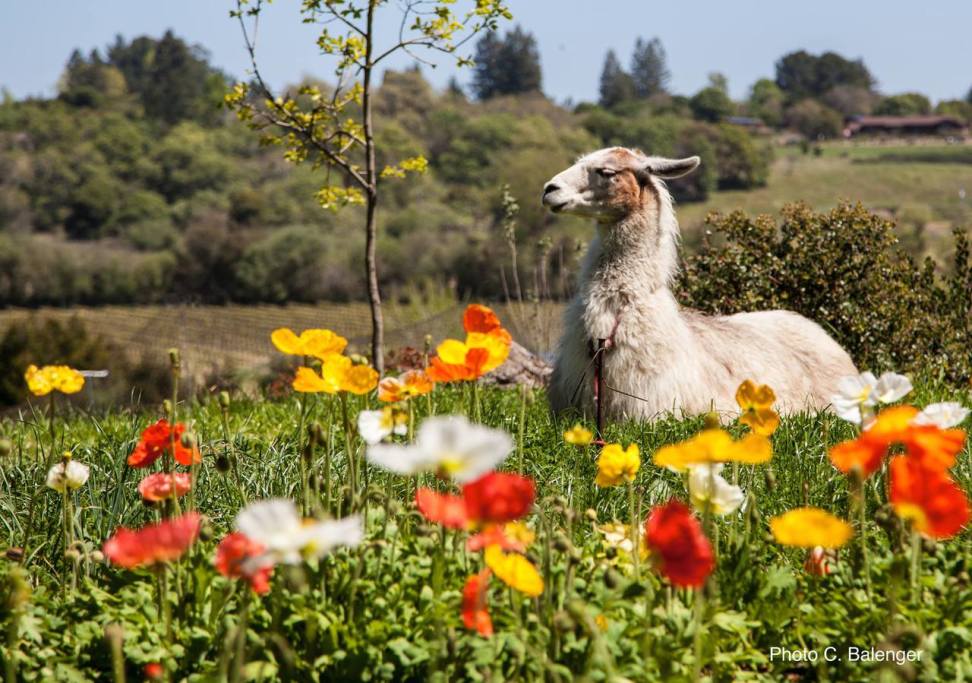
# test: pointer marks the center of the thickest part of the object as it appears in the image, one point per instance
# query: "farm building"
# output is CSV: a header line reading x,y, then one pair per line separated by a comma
x,y
905,126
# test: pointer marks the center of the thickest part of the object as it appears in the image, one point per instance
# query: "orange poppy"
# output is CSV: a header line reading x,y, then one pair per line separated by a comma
x,y
153,544
486,347
158,439
411,383
928,497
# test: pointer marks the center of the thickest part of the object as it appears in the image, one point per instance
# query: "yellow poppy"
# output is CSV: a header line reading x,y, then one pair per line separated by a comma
x,y
514,570
359,379
756,403
411,383
42,381
578,436
316,343
712,446
497,346
616,465
810,527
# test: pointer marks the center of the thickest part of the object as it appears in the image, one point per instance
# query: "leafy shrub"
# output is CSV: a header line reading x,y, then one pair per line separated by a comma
x,y
844,269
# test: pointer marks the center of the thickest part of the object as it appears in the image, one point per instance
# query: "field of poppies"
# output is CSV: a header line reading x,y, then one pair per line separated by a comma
x,y
427,526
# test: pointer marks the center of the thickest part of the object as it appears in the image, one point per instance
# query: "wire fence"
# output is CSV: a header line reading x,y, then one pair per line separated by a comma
x,y
214,337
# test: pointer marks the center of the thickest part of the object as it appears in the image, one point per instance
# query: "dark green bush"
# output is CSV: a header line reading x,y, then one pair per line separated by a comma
x,y
845,270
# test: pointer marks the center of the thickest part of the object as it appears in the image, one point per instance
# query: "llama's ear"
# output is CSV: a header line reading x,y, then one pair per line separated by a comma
x,y
671,168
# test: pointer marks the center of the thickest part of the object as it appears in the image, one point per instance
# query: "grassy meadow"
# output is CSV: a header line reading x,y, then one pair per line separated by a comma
x,y
390,608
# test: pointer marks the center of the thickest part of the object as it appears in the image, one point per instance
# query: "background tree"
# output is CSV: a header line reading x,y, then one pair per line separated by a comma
x,y
800,74
335,129
649,68
506,66
816,121
616,85
172,79
766,102
905,104
712,103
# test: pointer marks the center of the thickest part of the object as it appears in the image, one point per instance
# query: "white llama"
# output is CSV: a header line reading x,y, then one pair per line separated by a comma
x,y
662,357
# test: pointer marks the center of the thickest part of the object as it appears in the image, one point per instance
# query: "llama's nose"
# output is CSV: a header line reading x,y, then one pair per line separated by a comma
x,y
548,188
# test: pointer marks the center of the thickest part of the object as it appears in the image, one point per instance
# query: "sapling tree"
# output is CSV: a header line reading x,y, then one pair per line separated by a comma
x,y
333,127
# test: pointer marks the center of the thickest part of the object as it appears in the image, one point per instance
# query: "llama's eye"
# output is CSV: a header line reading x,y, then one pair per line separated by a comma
x,y
606,172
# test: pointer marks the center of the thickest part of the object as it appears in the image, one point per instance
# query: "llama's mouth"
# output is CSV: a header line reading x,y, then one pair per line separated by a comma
x,y
557,208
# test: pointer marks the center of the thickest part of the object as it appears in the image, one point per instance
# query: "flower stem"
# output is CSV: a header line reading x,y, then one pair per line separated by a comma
x,y
635,544
915,562
697,634
239,660
521,427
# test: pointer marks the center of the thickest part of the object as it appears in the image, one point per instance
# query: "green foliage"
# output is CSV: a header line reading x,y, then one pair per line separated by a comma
x,y
766,102
506,66
390,610
649,68
905,104
801,74
711,104
845,270
616,85
816,121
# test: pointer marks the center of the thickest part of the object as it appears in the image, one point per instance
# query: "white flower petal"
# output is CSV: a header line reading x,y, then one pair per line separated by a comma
x,y
846,409
320,538
464,450
275,524
891,387
708,487
942,415
70,475
372,426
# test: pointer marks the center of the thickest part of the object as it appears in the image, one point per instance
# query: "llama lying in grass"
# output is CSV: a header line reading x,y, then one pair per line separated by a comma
x,y
661,357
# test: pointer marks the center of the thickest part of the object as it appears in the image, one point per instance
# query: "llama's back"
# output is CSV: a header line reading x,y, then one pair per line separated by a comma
x,y
792,354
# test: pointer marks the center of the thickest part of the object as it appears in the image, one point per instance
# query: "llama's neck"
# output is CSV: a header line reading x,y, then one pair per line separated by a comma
x,y
638,255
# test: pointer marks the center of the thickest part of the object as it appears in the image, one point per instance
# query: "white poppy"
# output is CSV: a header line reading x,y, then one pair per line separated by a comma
x,y
69,475
707,487
858,394
942,415
891,387
451,445
289,539
375,426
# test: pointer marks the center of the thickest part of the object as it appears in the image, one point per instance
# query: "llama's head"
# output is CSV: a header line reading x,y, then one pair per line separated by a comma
x,y
611,183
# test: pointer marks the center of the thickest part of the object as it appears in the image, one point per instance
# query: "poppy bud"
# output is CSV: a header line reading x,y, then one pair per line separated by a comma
x,y
591,514
561,543
174,359
96,556
167,407
611,552
963,577
428,343
15,554
72,554
928,546
770,478
563,622
205,530
6,446
711,421
222,464
224,400
358,359
188,440
612,579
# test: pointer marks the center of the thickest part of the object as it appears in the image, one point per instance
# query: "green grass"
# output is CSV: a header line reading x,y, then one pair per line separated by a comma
x,y
886,178
390,609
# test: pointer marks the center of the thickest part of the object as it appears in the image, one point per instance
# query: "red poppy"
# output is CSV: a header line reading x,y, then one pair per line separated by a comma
x,y
499,497
817,562
230,561
153,671
475,615
445,509
156,440
675,536
162,542
161,485
925,494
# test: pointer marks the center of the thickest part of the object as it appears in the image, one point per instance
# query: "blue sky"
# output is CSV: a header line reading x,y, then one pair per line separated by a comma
x,y
907,45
